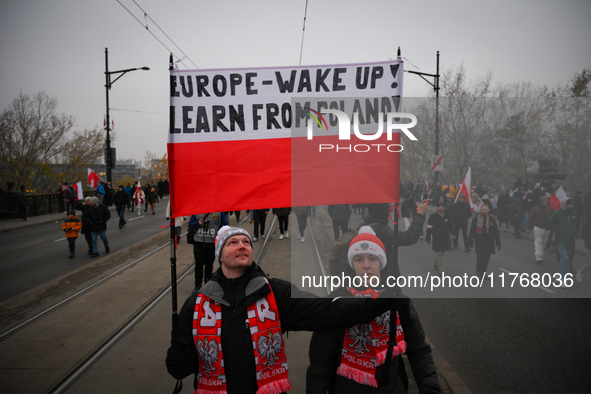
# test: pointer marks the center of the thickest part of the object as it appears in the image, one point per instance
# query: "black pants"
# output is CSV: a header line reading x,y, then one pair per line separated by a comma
x,y
88,238
72,244
237,213
302,222
482,262
260,217
339,226
204,253
283,223
464,227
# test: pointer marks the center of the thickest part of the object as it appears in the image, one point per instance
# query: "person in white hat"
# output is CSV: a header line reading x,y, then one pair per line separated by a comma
x,y
348,360
240,307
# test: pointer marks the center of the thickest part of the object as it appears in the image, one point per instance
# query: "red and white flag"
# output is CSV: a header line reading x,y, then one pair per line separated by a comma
x,y
466,188
79,191
556,199
93,178
234,140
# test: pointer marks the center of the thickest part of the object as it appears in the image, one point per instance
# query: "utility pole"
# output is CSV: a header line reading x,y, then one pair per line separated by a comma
x,y
435,85
110,154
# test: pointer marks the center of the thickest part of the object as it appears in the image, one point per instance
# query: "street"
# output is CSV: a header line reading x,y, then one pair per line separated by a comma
x,y
37,254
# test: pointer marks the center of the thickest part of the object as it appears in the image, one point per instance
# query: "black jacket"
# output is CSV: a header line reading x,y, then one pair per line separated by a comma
x,y
460,212
440,229
298,311
97,217
325,358
485,242
121,198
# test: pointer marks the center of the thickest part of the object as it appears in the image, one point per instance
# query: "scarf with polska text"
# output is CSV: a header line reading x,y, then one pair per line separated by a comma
x,y
365,345
269,349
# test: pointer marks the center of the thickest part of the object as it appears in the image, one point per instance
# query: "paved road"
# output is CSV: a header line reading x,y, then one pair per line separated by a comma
x,y
502,339
36,254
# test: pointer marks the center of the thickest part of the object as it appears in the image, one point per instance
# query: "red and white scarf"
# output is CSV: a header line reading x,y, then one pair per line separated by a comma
x,y
267,341
365,345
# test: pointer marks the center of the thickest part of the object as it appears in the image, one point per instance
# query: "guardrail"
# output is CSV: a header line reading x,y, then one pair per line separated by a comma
x,y
37,204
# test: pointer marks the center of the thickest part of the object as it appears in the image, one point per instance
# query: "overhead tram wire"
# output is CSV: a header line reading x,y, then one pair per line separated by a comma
x,y
303,32
163,32
146,27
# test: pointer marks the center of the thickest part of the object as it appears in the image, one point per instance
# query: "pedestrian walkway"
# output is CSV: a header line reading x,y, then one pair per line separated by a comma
x,y
36,358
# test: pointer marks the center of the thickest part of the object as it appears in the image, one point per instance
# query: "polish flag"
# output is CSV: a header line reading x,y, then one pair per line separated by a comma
x,y
93,178
466,188
79,192
557,198
234,140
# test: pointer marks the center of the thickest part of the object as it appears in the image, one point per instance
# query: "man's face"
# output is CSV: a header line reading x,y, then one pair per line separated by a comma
x,y
367,264
237,252
544,201
484,210
569,206
440,208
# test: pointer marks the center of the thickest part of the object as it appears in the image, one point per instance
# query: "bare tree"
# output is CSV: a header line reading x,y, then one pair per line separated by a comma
x,y
31,134
568,113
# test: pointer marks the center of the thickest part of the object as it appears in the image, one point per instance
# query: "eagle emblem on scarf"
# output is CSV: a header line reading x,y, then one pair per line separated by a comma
x,y
383,322
208,353
361,337
268,346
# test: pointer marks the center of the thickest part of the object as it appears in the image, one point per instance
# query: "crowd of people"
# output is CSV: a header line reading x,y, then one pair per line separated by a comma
x,y
525,208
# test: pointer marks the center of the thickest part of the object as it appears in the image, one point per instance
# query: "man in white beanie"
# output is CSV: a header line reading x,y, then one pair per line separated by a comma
x,y
352,360
241,307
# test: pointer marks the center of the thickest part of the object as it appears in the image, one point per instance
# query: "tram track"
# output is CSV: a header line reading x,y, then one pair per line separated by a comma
x,y
85,364
80,367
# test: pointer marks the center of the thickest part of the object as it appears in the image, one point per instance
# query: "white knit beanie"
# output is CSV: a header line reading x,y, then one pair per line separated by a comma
x,y
223,234
366,242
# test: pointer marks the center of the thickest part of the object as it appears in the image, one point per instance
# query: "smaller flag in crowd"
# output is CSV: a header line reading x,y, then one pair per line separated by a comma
x,y
93,178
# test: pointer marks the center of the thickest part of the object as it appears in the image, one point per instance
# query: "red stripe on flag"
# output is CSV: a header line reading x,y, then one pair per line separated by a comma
x,y
255,174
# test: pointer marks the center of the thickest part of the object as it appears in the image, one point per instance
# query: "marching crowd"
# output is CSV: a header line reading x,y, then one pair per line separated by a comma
x,y
95,210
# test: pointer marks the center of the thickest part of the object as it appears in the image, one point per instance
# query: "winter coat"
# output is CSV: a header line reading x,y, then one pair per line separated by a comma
x,y
564,225
97,217
72,227
120,198
516,211
152,198
325,357
408,208
460,212
208,232
504,203
440,229
539,217
82,206
298,311
586,233
340,212
281,211
485,242
301,211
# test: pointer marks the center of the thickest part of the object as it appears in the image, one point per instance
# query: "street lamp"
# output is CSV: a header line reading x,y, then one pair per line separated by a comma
x,y
435,85
109,155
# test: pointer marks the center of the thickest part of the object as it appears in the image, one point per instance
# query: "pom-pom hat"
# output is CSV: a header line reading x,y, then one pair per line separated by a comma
x,y
224,234
366,242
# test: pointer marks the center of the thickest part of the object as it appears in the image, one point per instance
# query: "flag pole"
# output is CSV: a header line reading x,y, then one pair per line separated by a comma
x,y
175,316
385,377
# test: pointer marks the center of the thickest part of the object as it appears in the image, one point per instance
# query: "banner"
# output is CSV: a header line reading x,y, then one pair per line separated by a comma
x,y
232,144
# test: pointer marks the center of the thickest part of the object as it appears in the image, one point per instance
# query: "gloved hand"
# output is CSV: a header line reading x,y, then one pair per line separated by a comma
x,y
175,362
